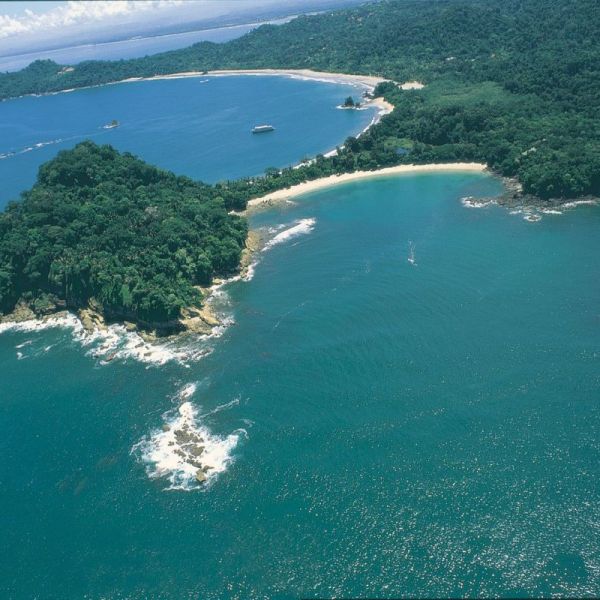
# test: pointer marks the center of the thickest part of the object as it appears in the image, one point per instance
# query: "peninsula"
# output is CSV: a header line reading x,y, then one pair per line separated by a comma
x,y
113,238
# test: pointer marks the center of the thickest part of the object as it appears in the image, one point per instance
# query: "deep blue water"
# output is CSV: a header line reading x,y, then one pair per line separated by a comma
x,y
200,127
394,428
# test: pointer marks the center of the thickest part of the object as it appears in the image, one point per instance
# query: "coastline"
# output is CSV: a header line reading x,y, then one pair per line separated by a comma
x,y
90,323
367,81
332,180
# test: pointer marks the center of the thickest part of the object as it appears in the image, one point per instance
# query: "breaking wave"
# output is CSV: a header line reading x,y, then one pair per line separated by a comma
x,y
532,214
576,203
471,202
184,451
301,227
116,343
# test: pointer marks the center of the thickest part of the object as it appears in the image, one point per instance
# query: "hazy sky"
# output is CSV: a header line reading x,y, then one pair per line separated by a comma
x,y
27,25
26,18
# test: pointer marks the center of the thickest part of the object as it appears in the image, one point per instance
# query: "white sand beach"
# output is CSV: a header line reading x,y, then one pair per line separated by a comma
x,y
366,81
324,182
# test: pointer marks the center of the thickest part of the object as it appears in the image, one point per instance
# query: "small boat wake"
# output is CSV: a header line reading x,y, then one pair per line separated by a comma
x,y
411,254
39,146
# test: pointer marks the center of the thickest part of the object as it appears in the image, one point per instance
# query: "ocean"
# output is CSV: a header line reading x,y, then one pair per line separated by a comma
x,y
404,403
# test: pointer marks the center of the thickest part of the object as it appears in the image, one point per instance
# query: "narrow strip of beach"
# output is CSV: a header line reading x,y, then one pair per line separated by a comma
x,y
332,180
367,81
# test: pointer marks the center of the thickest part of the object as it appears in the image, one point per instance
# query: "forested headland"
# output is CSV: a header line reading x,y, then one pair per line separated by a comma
x,y
513,83
106,228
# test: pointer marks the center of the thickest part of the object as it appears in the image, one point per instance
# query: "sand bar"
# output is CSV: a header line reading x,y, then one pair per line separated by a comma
x,y
331,180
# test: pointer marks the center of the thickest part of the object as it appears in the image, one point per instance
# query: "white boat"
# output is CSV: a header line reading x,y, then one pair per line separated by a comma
x,y
262,128
411,254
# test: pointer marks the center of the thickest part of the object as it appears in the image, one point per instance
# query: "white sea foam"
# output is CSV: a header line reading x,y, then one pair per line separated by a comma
x,y
534,214
301,227
38,145
532,217
187,391
184,446
66,320
115,342
250,271
576,203
471,202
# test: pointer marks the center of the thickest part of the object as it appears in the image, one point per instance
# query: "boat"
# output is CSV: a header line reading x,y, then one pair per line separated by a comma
x,y
411,255
114,123
262,128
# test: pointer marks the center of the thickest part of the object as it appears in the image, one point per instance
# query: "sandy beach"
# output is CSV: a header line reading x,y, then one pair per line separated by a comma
x,y
325,182
366,81
383,105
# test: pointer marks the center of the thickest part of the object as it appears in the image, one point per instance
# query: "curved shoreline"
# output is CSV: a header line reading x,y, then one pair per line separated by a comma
x,y
332,180
367,81
381,106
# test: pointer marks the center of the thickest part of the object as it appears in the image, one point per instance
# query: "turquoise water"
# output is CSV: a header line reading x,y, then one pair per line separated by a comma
x,y
198,127
393,428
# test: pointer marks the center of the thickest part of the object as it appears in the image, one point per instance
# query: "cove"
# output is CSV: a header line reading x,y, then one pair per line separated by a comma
x,y
200,127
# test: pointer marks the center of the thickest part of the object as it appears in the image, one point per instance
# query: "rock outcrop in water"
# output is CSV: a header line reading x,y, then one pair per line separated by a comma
x,y
199,320
22,312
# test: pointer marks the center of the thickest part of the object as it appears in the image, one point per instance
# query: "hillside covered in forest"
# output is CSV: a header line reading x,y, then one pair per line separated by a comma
x,y
107,228
512,83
